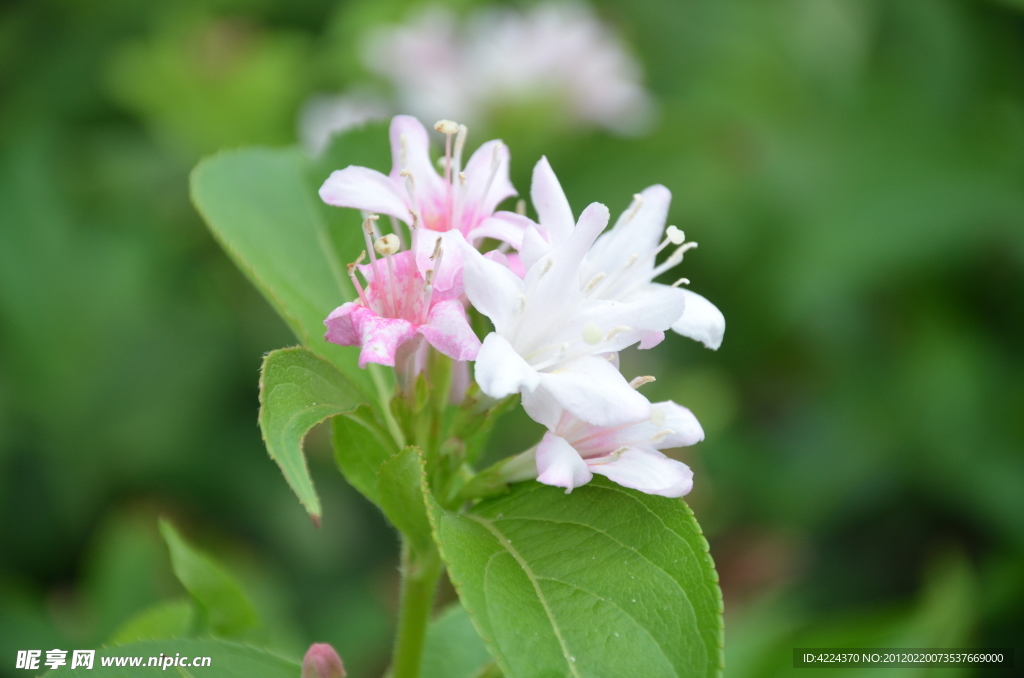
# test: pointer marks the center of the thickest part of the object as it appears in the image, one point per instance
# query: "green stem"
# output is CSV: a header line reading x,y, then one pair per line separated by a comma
x,y
420,574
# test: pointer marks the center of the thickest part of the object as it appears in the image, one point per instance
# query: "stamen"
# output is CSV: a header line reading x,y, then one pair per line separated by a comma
x,y
351,268
657,416
633,258
404,150
594,282
522,302
640,381
617,330
387,244
675,235
674,259
410,184
662,434
460,143
592,333
495,165
446,126
367,235
548,263
437,250
681,281
521,207
397,231
462,178
638,202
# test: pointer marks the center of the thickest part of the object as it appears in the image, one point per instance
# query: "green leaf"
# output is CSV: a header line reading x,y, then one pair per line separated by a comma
x,y
168,619
227,609
453,648
605,581
298,390
227,660
361,444
400,485
261,205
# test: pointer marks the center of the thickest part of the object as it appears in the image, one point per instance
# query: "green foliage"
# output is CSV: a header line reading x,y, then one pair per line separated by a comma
x,y
227,660
169,619
361,444
453,648
298,390
262,209
399,491
595,583
225,606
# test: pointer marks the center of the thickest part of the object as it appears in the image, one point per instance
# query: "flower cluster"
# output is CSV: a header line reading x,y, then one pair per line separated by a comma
x,y
564,295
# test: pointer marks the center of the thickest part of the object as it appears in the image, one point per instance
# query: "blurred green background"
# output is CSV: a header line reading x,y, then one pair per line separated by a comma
x,y
852,169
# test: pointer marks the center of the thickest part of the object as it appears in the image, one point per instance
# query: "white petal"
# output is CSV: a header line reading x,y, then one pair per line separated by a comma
x,y
648,471
500,371
365,189
534,246
504,226
410,149
549,200
559,465
483,194
701,321
542,408
633,233
594,391
492,289
669,425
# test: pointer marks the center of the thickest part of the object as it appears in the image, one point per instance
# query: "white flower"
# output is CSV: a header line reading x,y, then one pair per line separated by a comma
x,y
573,451
556,54
550,342
621,264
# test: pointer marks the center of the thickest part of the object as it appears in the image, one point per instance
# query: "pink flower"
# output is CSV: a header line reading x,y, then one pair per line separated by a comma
x,y
322,661
463,199
399,303
574,451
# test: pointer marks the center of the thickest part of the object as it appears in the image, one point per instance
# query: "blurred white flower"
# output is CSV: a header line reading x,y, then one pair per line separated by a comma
x,y
325,115
556,55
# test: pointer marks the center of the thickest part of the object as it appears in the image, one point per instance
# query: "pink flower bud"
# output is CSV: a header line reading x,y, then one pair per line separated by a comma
x,y
321,661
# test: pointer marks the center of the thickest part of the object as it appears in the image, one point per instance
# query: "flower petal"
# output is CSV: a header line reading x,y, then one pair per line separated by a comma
x,y
559,465
483,193
504,226
553,211
670,425
365,189
354,324
638,230
701,320
648,471
492,289
500,371
594,391
410,149
449,332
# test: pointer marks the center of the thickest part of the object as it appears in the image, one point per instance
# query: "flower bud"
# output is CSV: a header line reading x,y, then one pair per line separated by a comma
x,y
321,661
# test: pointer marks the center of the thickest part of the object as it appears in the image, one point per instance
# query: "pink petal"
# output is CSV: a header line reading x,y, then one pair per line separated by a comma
x,y
449,332
559,465
379,337
321,661
648,471
410,149
365,189
651,339
340,329
484,194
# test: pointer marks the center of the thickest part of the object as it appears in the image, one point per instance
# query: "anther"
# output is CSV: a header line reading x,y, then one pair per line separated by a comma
x,y
548,263
522,302
462,178
592,333
638,202
521,207
640,381
446,126
437,250
633,258
594,282
387,244
681,281
675,236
